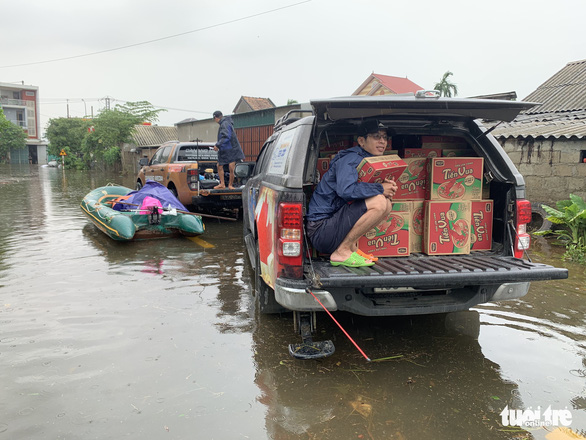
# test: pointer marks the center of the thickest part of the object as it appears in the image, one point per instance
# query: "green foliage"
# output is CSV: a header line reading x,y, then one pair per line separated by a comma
x,y
445,87
11,137
99,145
292,101
570,215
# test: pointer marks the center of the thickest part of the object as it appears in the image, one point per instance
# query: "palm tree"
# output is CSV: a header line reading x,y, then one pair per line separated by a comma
x,y
445,87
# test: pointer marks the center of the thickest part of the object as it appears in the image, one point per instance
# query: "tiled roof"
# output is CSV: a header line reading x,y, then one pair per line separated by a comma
x,y
397,84
258,103
153,135
565,91
545,125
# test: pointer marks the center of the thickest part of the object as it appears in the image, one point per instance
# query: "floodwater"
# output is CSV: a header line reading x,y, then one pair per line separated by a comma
x,y
160,340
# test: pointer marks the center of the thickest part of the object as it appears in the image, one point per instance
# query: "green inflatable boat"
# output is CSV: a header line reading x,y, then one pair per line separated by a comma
x,y
123,214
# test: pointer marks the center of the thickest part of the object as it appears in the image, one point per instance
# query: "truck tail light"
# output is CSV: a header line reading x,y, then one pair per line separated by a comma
x,y
192,178
522,238
290,240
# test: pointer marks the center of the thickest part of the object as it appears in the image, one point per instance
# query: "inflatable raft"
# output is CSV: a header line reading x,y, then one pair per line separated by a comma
x,y
151,212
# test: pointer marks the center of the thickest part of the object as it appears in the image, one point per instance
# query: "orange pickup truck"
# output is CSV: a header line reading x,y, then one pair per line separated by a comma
x,y
189,171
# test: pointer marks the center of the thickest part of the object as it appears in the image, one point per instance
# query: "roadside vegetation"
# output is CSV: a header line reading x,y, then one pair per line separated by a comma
x,y
95,143
569,216
11,137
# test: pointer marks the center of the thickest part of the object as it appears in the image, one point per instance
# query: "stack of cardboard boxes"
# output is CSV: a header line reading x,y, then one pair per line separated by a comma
x,y
438,208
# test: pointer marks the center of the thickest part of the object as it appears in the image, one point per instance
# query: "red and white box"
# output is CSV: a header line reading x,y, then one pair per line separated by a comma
x,y
421,152
376,169
481,225
455,178
323,165
388,239
412,184
417,221
447,227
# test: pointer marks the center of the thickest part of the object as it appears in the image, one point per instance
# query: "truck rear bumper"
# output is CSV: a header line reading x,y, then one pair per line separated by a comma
x,y
396,302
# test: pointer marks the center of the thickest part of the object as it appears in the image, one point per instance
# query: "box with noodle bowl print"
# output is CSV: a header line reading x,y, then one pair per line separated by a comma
x,y
412,183
391,237
455,178
416,226
481,225
420,152
447,227
375,169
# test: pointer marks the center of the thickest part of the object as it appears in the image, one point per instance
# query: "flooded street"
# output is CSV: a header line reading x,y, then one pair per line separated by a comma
x,y
160,340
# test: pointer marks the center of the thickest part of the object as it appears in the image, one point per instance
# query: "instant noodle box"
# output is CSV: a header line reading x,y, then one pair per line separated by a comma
x,y
455,178
420,152
390,238
481,225
412,184
375,169
443,142
447,227
323,165
417,220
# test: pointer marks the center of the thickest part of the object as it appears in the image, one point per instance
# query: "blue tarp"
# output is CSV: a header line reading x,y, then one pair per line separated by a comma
x,y
152,189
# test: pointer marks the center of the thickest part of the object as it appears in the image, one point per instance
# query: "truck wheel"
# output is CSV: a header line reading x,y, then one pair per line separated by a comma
x,y
539,221
173,190
138,185
265,296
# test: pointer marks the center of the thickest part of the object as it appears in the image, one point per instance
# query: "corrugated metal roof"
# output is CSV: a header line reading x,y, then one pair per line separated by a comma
x,y
563,92
545,125
153,135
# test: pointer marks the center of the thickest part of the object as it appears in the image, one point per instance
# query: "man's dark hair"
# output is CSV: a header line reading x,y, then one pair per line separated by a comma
x,y
218,114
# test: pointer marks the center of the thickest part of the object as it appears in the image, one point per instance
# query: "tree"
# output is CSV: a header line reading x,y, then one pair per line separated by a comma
x,y
68,134
11,137
445,87
291,102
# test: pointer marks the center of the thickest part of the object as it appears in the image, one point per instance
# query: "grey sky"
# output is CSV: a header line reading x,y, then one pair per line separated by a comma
x,y
315,49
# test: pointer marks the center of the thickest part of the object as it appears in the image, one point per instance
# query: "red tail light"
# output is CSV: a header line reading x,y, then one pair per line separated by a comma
x,y
522,238
192,178
290,240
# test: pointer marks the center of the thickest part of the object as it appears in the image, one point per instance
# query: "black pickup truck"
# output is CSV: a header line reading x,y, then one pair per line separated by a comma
x,y
291,276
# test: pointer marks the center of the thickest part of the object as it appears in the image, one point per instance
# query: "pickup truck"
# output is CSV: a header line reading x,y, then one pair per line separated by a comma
x,y
189,171
290,276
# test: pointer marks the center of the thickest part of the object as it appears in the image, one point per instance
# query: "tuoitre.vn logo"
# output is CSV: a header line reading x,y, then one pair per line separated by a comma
x,y
536,418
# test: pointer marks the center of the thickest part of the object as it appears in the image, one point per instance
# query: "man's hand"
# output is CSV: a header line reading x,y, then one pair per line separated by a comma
x,y
215,148
389,188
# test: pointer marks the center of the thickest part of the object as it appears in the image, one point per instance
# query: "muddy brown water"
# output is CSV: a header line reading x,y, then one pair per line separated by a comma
x,y
160,340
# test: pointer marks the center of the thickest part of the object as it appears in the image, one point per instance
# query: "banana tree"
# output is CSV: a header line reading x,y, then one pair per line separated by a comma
x,y
571,215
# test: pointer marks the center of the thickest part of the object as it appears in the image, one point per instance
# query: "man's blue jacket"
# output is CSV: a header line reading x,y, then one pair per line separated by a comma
x,y
340,185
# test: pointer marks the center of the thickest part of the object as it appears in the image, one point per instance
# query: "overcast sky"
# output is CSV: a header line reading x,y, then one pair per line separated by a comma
x,y
194,57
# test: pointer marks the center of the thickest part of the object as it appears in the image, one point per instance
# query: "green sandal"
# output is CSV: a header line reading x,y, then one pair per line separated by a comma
x,y
353,260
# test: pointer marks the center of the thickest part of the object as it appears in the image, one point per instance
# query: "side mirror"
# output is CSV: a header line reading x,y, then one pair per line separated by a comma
x,y
243,170
143,162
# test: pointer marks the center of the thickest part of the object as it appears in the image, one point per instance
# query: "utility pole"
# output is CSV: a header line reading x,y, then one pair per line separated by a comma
x,y
68,109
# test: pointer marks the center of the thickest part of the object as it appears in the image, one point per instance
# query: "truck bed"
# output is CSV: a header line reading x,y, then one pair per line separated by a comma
x,y
434,272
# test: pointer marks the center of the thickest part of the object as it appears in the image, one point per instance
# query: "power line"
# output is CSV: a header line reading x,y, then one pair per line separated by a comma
x,y
157,39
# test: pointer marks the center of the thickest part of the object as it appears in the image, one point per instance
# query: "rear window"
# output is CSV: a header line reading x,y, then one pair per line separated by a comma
x,y
190,153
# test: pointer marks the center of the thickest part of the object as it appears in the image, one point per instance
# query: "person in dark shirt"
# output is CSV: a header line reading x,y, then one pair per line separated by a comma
x,y
342,209
228,148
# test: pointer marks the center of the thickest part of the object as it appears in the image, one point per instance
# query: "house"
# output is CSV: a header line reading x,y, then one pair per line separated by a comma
x,y
250,104
20,104
547,142
145,141
377,84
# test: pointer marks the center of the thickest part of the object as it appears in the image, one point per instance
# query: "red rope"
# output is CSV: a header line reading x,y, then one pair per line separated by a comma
x,y
341,328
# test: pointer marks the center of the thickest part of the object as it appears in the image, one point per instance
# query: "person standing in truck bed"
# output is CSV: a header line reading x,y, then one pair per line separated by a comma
x,y
228,148
342,209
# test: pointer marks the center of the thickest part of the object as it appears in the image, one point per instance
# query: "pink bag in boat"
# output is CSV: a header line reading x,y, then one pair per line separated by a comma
x,y
148,203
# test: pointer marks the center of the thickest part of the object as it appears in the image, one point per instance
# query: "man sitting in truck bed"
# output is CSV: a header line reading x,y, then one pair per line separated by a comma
x,y
342,209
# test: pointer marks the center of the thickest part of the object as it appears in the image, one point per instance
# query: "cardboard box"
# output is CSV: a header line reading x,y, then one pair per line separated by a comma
x,y
455,178
420,152
323,165
375,169
447,227
443,142
481,225
417,221
412,184
449,152
388,239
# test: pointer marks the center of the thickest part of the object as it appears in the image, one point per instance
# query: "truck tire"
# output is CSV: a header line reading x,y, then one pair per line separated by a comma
x,y
539,221
138,185
265,296
173,190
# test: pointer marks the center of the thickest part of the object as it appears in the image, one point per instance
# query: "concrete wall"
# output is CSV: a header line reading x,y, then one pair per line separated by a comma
x,y
552,168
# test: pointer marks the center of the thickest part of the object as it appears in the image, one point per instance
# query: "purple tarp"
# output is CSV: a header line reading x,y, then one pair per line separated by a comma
x,y
152,189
